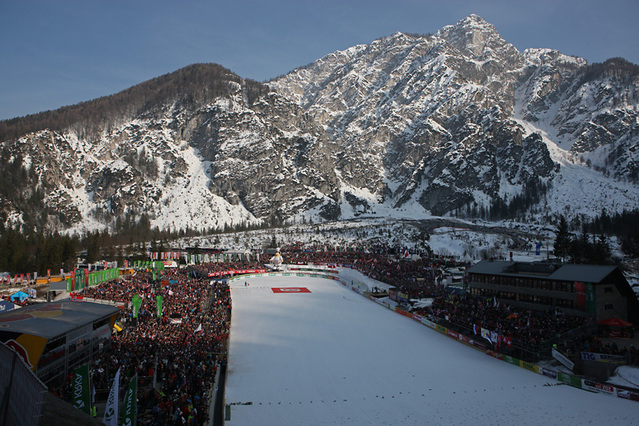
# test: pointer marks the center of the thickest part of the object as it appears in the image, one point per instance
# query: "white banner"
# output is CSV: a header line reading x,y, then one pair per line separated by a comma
x,y
592,356
563,359
111,409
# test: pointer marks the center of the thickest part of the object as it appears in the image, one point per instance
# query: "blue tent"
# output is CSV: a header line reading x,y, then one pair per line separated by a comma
x,y
6,306
19,296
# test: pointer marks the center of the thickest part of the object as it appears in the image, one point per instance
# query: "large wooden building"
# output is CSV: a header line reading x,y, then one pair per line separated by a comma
x,y
601,291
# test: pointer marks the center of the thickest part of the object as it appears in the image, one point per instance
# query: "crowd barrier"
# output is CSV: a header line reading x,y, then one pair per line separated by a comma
x,y
568,379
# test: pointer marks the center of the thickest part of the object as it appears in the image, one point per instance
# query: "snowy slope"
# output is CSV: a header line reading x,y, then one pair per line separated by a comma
x,y
333,357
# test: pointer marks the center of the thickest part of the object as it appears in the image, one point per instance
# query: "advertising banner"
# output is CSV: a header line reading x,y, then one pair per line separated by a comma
x,y
129,416
591,356
452,334
135,305
548,373
563,359
80,389
591,303
569,380
596,387
628,394
111,410
158,301
529,366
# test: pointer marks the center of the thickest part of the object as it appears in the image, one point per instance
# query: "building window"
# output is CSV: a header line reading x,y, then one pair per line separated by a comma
x,y
608,307
608,289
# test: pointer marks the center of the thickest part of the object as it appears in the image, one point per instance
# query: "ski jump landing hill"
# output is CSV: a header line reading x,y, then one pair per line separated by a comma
x,y
332,272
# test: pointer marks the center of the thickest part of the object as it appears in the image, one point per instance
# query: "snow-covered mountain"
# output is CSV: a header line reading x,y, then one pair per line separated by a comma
x,y
455,123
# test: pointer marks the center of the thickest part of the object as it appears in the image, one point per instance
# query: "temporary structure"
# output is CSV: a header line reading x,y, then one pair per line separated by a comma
x,y
19,296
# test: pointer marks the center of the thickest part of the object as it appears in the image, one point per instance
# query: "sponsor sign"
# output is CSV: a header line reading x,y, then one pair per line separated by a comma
x,y
627,394
129,415
80,389
290,290
548,373
563,359
529,366
592,356
428,323
605,388
597,387
111,410
404,313
569,380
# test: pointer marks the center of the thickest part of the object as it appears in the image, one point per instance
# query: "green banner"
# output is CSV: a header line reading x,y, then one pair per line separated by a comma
x,y
569,379
99,277
591,302
80,389
129,417
136,302
79,279
158,300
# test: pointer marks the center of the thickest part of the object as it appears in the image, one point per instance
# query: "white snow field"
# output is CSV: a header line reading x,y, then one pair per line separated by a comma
x,y
333,357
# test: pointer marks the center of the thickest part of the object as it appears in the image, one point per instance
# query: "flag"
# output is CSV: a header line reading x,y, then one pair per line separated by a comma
x,y
111,410
538,248
406,254
159,305
199,328
129,415
80,388
135,305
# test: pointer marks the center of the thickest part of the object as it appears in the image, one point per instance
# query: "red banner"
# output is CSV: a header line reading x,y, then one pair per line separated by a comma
x,y
290,290
237,272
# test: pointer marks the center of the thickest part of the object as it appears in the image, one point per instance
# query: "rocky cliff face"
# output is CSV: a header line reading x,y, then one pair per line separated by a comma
x,y
429,118
429,124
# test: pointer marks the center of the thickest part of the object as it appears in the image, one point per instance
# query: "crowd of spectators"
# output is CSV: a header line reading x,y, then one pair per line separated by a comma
x,y
417,275
524,326
178,350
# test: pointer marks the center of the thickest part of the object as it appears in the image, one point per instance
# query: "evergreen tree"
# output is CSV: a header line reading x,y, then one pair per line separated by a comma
x,y
563,239
601,251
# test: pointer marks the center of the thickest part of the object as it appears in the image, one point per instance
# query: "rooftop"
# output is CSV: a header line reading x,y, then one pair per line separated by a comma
x,y
551,271
49,320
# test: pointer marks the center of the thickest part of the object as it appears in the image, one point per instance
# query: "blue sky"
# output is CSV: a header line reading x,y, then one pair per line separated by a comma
x,y
61,52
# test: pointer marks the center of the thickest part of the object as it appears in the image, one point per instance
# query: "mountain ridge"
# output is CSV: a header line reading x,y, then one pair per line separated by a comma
x,y
453,123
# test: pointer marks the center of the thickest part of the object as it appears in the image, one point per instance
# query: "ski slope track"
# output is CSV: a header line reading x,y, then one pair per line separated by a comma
x,y
333,357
